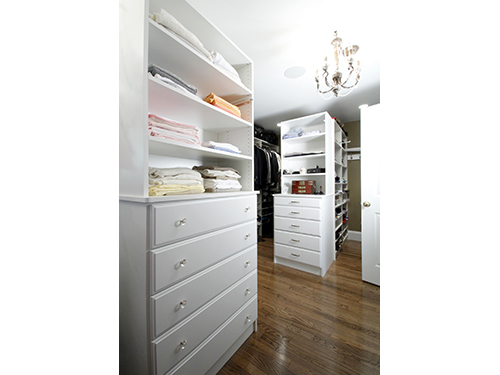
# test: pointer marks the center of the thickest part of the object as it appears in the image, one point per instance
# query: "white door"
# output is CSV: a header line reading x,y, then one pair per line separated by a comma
x,y
370,194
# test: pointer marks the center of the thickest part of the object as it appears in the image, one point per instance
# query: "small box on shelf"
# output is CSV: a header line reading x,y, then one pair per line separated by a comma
x,y
303,187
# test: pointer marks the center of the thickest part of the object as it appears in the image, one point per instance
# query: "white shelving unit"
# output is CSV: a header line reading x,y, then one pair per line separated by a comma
x,y
188,277
304,223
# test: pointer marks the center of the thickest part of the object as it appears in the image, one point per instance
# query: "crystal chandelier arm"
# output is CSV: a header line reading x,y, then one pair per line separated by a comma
x,y
351,70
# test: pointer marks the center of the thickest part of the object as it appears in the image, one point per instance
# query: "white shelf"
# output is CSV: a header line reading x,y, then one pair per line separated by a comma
x,y
304,175
305,138
304,157
166,147
187,108
354,149
190,65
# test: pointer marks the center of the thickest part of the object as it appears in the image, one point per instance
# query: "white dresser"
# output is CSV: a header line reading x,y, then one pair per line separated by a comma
x,y
188,278
303,232
200,267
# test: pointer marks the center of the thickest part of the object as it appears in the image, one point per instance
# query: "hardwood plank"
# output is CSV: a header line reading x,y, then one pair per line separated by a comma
x,y
312,325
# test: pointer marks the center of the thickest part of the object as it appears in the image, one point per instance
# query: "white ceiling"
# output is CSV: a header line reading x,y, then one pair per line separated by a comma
x,y
279,34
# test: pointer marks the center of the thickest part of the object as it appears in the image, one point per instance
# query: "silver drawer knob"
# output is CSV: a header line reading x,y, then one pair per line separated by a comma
x,y
294,201
247,209
247,236
181,222
295,212
183,263
183,344
183,304
247,264
247,291
295,255
248,319
295,226
294,240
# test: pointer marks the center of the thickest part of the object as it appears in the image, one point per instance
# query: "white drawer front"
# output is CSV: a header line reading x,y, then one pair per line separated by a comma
x,y
298,255
175,221
204,358
298,240
298,226
298,201
298,212
175,262
176,303
168,349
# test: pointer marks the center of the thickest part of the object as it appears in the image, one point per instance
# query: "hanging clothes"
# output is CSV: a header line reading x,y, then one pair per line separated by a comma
x,y
267,169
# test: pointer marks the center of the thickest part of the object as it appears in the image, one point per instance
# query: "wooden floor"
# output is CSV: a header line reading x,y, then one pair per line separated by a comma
x,y
309,324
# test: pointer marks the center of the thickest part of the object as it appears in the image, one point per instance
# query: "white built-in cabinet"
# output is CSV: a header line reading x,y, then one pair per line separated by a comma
x,y
188,276
306,224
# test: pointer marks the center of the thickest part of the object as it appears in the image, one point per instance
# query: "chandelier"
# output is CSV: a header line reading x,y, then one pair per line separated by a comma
x,y
344,73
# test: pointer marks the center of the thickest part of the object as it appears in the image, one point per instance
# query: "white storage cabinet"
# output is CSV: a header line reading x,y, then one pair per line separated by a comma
x,y
305,224
188,276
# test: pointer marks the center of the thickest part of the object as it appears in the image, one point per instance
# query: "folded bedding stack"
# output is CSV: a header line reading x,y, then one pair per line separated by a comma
x,y
293,133
228,147
222,63
175,131
170,22
222,104
219,179
171,79
174,181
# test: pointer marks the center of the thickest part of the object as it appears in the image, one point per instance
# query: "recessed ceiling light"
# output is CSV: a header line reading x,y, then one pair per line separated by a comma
x,y
363,106
295,72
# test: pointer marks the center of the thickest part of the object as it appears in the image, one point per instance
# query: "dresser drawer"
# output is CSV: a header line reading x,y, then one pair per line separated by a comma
x,y
175,262
298,226
298,255
298,240
213,348
175,221
174,304
298,201
298,212
179,342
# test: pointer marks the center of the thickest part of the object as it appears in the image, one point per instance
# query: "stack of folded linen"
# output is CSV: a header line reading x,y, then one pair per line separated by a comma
x,y
293,133
222,63
222,147
218,102
174,181
219,179
170,22
175,131
171,79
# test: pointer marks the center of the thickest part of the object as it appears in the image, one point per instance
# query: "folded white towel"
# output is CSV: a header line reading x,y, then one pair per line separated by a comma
x,y
166,172
220,61
166,19
223,146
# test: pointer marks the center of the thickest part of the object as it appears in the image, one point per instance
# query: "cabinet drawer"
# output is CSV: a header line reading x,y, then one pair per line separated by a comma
x,y
175,221
297,201
298,240
298,226
180,260
298,212
298,255
174,304
213,348
168,348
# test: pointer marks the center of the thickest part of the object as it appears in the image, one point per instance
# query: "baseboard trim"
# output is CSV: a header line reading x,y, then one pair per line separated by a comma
x,y
354,235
